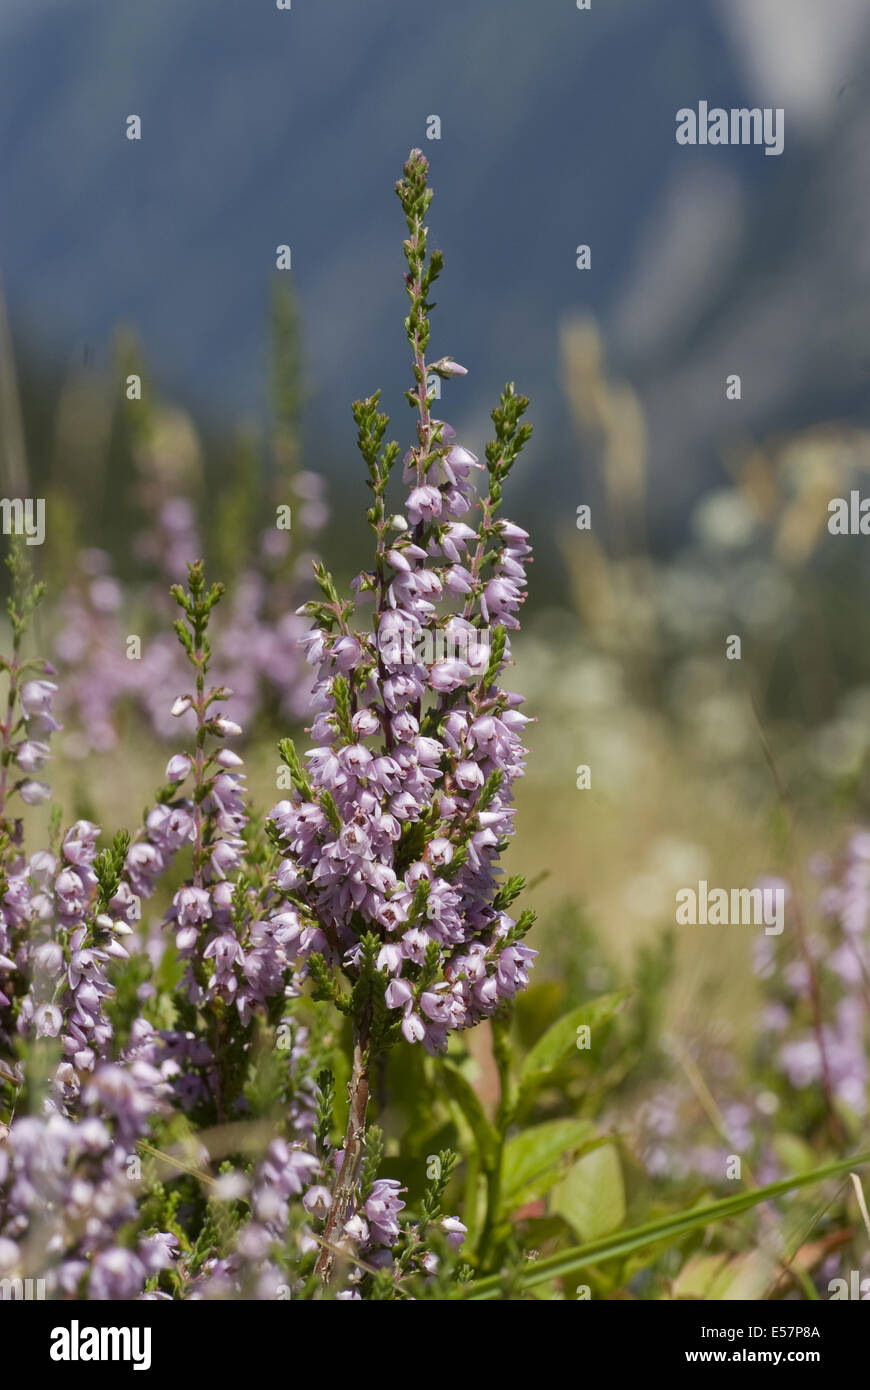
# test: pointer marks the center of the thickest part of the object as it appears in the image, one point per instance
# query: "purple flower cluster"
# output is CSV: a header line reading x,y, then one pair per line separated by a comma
x,y
232,951
677,1139
811,1046
404,808
256,645
290,1197
67,950
815,1023
66,1190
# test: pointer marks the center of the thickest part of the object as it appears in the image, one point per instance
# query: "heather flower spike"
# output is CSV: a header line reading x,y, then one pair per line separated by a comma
x,y
391,838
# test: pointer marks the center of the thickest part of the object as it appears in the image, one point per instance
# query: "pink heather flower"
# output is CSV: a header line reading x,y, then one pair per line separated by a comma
x,y
31,755
35,698
447,676
317,1201
357,1229
455,1230
399,994
365,722
192,906
49,1021
225,757
33,793
382,1209
178,767
80,843
424,504
413,1029
469,775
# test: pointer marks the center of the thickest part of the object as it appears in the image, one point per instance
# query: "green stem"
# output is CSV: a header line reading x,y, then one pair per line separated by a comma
x,y
500,1030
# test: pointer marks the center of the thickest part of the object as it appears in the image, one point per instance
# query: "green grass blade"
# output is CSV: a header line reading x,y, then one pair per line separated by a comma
x,y
569,1262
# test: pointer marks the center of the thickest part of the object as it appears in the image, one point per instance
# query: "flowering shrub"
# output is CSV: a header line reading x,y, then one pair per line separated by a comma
x,y
205,1022
374,888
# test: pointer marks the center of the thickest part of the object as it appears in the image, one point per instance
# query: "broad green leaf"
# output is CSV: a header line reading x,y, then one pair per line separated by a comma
x,y
698,1274
548,1293
535,1008
567,1263
793,1152
591,1197
538,1158
560,1040
746,1278
463,1094
725,1278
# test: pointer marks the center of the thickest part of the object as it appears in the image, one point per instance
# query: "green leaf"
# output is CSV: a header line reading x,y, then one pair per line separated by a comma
x,y
330,810
699,1274
567,1263
289,756
793,1152
535,1160
744,1279
560,1040
723,1278
463,1095
591,1197
496,656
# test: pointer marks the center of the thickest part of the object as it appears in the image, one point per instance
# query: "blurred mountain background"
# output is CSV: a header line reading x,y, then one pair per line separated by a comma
x,y
263,127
